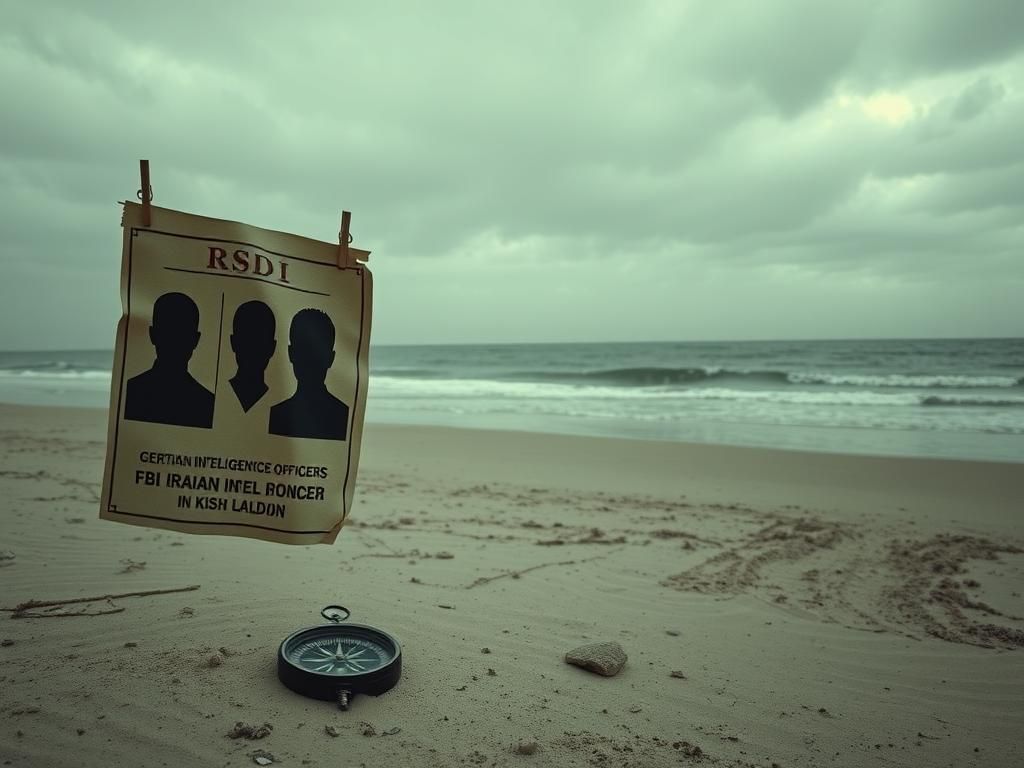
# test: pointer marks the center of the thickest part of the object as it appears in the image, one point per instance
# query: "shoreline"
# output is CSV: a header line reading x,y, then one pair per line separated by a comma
x,y
818,608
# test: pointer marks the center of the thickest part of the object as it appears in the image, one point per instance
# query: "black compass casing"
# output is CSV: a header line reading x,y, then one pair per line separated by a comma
x,y
318,685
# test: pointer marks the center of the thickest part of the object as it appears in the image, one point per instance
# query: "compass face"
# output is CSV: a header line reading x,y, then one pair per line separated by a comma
x,y
339,655
345,650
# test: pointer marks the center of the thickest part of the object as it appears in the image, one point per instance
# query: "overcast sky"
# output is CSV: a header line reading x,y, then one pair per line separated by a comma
x,y
537,171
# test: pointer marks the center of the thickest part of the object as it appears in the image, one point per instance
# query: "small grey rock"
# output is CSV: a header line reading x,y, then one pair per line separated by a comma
x,y
603,658
526,748
330,730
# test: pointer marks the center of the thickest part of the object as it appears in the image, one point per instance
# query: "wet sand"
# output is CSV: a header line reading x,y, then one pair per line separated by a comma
x,y
777,608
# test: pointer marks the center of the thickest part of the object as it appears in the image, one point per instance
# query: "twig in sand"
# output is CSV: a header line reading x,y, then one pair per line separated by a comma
x,y
63,615
20,611
516,574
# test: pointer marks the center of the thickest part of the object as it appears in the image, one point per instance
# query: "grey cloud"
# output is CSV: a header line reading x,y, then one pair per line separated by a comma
x,y
977,98
571,134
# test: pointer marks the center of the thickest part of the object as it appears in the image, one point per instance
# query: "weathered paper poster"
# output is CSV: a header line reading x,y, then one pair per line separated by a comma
x,y
239,380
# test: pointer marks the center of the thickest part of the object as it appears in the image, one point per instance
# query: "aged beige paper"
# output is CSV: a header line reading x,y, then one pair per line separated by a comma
x,y
239,380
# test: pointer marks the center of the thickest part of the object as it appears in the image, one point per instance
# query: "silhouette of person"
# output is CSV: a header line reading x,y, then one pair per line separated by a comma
x,y
253,342
312,411
167,393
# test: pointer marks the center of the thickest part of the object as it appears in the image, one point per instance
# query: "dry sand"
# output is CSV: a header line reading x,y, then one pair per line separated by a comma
x,y
776,607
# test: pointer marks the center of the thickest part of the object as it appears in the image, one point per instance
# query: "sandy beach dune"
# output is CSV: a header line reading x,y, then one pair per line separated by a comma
x,y
777,608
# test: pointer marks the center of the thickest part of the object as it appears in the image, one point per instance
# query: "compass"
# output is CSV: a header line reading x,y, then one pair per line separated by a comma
x,y
335,661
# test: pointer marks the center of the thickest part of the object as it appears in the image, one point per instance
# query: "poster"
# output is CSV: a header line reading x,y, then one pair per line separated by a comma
x,y
239,380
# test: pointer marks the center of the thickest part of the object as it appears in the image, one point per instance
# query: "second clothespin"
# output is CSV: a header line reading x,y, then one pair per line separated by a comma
x,y
145,193
344,238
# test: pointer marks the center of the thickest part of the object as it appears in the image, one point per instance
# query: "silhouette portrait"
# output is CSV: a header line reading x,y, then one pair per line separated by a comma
x,y
253,342
167,393
312,411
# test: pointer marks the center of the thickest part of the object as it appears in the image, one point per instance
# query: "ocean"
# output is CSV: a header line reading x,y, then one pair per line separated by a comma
x,y
951,398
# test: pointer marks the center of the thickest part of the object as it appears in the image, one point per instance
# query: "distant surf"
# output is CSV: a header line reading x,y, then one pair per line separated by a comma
x,y
958,398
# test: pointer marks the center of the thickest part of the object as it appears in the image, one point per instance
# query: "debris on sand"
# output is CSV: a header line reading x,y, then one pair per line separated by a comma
x,y
688,749
603,658
245,731
132,565
677,674
215,660
367,729
330,730
262,757
526,748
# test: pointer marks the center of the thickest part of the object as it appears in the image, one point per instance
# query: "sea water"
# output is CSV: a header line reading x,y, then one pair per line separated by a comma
x,y
954,398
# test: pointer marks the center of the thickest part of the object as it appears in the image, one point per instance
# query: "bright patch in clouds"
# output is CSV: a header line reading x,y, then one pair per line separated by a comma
x,y
892,108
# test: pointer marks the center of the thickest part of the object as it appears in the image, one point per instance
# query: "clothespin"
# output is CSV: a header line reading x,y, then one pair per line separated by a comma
x,y
344,238
145,193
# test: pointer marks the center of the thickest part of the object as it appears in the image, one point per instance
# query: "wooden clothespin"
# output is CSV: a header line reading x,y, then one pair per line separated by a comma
x,y
344,238
145,193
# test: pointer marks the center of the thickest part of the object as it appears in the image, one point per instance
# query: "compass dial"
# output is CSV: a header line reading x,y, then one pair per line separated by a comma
x,y
339,655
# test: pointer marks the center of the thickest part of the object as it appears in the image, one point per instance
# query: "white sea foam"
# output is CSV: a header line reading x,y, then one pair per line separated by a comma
x,y
901,380
399,388
54,375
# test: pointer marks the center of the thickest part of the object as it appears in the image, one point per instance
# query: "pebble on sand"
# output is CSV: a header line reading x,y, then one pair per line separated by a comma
x,y
526,748
603,658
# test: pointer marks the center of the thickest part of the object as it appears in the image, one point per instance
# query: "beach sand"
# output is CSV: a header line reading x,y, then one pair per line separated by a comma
x,y
777,608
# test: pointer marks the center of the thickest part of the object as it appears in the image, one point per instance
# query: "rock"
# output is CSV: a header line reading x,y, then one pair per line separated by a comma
x,y
330,730
6,642
485,650
603,658
677,674
131,644
367,729
526,748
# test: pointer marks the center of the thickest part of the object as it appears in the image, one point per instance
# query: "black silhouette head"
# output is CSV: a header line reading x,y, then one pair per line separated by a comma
x,y
311,347
252,336
175,329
